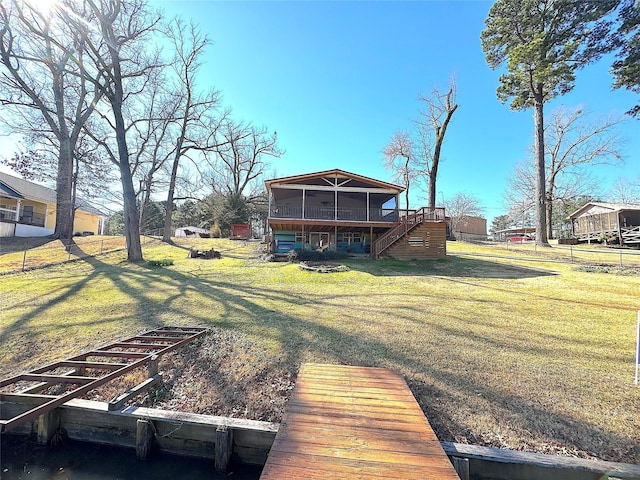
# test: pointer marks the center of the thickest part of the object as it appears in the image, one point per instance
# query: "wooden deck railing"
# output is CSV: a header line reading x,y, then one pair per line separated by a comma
x,y
405,225
314,212
630,235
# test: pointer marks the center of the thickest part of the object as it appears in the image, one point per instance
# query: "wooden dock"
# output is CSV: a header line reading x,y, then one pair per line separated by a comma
x,y
347,422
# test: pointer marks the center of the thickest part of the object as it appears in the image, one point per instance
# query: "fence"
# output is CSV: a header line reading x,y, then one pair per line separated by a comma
x,y
44,256
618,257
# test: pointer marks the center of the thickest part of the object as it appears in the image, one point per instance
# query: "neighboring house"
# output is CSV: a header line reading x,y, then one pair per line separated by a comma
x,y
468,228
29,210
338,210
607,222
192,232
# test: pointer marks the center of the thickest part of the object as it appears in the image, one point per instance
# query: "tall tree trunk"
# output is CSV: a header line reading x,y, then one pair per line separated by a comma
x,y
166,234
432,192
64,178
131,219
64,201
541,211
549,214
441,131
116,98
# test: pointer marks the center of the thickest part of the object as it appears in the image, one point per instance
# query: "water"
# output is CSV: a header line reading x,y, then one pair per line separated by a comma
x,y
23,459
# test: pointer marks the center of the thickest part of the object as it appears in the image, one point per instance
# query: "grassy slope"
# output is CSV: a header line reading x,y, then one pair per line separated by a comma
x,y
509,352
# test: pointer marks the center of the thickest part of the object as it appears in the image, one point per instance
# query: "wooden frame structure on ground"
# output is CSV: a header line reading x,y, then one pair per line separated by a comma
x,y
78,375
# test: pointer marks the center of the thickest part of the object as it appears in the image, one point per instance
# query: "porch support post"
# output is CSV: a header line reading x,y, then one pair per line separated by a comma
x,y
335,207
371,253
303,196
619,229
335,237
18,205
368,206
303,232
269,195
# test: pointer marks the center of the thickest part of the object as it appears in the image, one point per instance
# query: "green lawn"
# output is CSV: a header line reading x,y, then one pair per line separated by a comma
x,y
499,347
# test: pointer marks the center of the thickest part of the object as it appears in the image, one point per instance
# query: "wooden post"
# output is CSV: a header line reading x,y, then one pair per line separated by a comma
x,y
48,423
223,448
144,438
152,366
462,467
24,259
637,349
372,253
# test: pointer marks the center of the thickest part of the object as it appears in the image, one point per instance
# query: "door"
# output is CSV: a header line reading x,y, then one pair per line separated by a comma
x,y
319,240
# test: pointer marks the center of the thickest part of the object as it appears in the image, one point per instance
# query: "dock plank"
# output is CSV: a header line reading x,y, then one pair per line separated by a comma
x,y
346,422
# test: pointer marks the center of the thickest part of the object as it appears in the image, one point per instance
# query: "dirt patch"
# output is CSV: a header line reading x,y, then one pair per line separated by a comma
x,y
215,375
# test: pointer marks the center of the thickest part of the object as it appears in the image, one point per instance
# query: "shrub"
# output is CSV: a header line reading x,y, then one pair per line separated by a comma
x,y
315,256
165,262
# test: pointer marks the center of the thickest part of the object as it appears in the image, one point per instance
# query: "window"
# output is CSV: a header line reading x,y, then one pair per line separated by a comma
x,y
27,213
352,237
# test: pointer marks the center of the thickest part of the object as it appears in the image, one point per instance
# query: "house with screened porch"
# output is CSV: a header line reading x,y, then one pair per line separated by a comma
x,y
344,211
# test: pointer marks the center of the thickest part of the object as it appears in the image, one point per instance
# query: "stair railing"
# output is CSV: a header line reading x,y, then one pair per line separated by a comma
x,y
405,225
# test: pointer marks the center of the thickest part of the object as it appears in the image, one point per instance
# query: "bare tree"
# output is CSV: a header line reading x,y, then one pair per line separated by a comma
x,y
240,157
432,127
118,63
39,53
574,184
626,191
573,142
416,155
461,207
196,122
400,159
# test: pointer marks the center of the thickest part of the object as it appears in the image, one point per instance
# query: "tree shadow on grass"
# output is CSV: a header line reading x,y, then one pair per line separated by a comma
x,y
20,244
457,267
264,312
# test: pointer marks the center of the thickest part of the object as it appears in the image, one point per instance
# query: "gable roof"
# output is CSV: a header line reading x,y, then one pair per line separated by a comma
x,y
612,207
23,189
334,172
26,189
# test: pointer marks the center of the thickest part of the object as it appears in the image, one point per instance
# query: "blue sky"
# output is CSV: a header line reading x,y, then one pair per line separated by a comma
x,y
336,79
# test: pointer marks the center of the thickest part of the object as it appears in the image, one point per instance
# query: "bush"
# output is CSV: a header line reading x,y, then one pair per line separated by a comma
x,y
315,256
165,262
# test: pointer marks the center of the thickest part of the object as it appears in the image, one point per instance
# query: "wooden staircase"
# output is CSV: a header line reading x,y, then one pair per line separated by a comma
x,y
404,226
